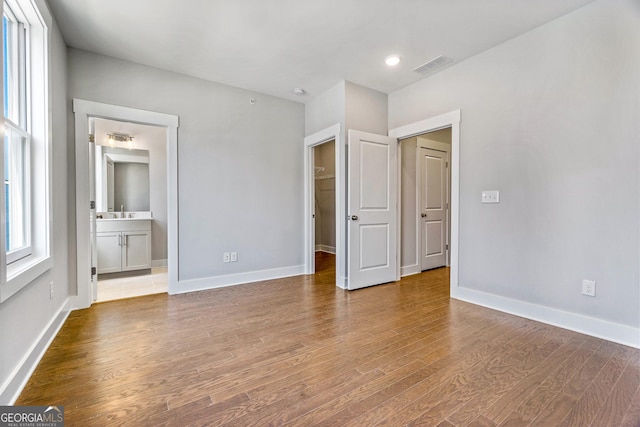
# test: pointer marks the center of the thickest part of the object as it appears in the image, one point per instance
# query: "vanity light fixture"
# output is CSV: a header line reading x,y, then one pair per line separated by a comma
x,y
120,137
392,60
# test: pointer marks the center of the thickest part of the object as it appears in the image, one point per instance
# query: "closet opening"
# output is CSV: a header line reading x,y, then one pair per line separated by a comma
x,y
324,210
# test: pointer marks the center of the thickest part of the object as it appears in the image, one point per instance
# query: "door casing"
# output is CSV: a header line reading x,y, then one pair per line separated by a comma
x,y
84,110
451,119
311,141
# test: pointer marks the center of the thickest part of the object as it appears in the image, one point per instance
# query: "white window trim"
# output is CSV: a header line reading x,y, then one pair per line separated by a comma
x,y
24,271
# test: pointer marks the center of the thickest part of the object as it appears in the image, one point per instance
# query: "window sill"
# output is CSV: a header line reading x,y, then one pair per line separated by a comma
x,y
23,272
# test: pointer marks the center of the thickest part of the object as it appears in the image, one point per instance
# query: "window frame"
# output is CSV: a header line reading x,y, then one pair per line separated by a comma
x,y
24,270
26,214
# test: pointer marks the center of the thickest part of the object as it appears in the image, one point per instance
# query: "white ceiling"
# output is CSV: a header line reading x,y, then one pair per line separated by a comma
x,y
273,46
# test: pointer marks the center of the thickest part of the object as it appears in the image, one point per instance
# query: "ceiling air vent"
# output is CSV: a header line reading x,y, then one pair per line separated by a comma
x,y
433,65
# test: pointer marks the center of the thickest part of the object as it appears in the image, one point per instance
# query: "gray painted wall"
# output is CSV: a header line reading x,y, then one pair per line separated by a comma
x,y
365,109
551,120
26,314
234,157
325,110
408,200
154,140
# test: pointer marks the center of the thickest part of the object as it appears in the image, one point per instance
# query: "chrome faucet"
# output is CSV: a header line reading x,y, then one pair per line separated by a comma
x,y
121,211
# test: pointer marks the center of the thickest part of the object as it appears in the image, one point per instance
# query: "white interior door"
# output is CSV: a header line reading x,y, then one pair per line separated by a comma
x,y
372,209
433,208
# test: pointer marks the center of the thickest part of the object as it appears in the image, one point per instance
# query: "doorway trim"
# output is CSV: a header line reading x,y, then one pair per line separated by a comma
x,y
452,120
84,110
311,141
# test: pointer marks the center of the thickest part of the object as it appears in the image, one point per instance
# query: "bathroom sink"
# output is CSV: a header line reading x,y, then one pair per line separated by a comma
x,y
119,216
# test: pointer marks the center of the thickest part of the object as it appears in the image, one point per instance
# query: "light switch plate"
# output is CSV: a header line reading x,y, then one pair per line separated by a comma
x,y
491,196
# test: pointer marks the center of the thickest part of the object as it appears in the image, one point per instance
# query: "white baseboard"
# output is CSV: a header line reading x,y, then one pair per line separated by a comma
x,y
157,263
325,248
13,386
622,334
235,279
408,270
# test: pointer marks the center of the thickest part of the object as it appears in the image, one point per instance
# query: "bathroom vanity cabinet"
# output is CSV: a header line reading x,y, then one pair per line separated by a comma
x,y
123,244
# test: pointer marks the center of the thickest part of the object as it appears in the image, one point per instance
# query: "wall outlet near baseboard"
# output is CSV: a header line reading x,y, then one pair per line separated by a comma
x,y
589,288
234,256
491,196
226,257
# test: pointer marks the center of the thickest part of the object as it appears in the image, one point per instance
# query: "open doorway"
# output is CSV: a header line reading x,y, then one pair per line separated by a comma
x,y
426,201
130,170
407,242
437,141
85,113
324,189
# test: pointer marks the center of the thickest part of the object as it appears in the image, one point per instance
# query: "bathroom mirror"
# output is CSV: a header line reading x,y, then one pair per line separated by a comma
x,y
122,179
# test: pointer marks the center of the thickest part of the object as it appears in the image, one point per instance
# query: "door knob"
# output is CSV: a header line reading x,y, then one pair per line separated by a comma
x,y
424,215
354,217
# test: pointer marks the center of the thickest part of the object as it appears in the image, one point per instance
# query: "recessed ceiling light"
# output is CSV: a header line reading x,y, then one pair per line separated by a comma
x,y
392,60
299,91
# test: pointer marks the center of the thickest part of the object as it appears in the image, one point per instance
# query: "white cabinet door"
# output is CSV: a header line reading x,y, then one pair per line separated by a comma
x,y
136,250
372,198
109,253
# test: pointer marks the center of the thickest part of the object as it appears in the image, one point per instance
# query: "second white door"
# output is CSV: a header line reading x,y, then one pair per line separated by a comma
x,y
372,209
433,208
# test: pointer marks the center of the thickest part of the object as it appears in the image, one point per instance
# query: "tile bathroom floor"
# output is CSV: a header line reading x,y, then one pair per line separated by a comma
x,y
113,288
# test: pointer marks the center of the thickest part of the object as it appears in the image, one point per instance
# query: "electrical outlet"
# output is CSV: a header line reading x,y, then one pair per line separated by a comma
x,y
492,196
226,257
589,288
51,290
234,256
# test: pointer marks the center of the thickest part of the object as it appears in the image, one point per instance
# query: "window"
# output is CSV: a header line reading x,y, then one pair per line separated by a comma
x,y
16,138
25,247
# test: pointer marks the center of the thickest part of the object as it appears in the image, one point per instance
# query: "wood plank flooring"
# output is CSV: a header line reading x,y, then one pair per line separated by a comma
x,y
301,352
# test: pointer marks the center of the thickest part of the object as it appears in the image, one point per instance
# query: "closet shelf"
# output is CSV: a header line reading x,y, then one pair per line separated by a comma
x,y
325,177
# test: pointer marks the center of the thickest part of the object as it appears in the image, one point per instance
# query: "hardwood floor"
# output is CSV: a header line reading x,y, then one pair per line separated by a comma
x,y
299,351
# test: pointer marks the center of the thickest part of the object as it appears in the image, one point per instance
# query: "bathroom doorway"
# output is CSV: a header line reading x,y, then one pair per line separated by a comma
x,y
130,172
325,208
85,113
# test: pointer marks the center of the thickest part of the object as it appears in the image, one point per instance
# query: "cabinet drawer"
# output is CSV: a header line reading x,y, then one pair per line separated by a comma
x,y
109,225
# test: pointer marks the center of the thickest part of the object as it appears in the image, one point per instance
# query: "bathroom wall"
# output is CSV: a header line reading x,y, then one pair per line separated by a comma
x,y
153,140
